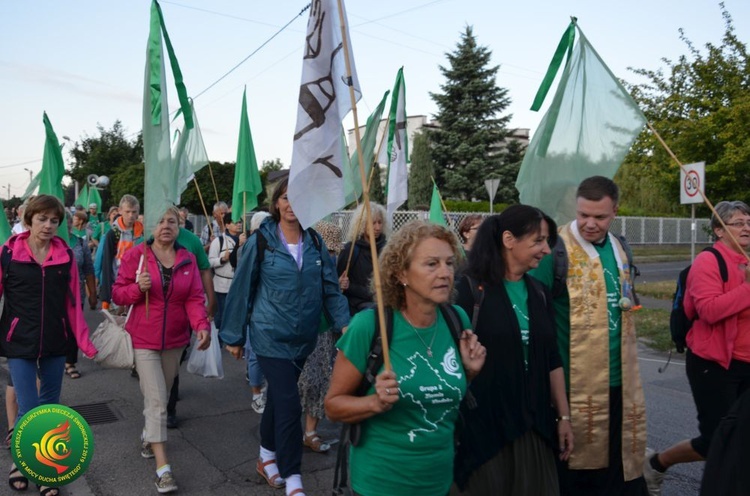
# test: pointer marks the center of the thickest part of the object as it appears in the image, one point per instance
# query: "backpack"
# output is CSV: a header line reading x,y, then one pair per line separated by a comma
x,y
560,261
350,433
679,323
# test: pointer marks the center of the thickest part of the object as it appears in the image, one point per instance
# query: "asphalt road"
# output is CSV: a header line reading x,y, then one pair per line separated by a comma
x,y
214,450
660,271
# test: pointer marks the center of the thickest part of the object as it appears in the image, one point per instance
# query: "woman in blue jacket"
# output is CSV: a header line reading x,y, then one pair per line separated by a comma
x,y
284,280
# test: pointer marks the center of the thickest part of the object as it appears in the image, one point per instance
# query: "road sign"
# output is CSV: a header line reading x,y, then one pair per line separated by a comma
x,y
692,183
491,185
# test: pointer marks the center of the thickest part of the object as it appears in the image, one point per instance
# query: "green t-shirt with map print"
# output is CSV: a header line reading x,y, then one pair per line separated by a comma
x,y
409,449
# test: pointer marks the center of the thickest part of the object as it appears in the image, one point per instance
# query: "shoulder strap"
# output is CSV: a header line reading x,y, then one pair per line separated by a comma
x,y
722,263
375,358
477,293
262,245
315,235
560,267
221,243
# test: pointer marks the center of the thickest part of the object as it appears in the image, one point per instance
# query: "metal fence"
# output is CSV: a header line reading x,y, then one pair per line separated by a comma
x,y
637,230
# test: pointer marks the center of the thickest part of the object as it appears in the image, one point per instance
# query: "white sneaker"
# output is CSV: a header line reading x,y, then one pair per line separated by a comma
x,y
654,478
259,404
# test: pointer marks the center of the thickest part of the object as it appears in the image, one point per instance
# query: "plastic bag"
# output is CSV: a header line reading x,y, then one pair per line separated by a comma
x,y
207,362
113,343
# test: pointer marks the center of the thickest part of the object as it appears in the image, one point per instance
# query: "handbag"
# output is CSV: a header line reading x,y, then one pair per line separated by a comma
x,y
207,362
113,343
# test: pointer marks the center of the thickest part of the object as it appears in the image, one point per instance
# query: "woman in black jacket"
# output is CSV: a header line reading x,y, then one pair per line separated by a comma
x,y
354,278
508,437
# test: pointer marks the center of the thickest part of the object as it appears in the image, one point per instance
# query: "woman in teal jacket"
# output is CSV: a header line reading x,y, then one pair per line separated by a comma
x,y
284,280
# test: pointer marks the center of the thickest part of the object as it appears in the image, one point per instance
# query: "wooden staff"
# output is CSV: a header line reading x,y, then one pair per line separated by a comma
x,y
700,191
203,205
365,197
211,173
359,225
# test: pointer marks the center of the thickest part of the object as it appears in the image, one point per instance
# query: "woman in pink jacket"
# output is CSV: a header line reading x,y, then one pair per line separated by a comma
x,y
718,356
42,313
169,274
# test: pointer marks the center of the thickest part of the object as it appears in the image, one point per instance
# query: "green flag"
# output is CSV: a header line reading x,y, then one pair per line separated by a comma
x,y
83,197
587,130
160,183
247,185
5,230
95,197
53,169
436,207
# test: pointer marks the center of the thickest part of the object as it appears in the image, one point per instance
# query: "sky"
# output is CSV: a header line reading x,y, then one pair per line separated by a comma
x,y
82,61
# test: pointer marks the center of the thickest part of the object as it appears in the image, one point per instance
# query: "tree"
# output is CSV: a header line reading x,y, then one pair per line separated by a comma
x,y
105,155
421,172
377,191
470,128
701,107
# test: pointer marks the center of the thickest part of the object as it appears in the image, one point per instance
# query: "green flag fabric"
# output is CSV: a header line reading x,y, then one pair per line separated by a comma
x,y
53,169
160,182
95,197
587,130
436,207
5,230
83,197
247,184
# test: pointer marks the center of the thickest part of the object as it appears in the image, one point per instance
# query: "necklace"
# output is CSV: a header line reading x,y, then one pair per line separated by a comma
x,y
434,333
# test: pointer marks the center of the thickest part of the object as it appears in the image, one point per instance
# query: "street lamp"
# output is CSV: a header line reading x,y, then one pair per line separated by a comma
x,y
31,173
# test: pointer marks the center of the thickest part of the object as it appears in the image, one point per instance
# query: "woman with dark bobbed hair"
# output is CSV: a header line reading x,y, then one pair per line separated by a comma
x,y
509,438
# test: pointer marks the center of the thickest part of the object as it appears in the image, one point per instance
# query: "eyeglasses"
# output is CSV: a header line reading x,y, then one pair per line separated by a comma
x,y
740,224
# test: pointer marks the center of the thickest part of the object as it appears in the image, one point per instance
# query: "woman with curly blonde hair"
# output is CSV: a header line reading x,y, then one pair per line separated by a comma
x,y
409,413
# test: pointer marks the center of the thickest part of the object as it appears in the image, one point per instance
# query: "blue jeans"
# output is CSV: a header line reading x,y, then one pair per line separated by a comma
x,y
280,426
254,372
221,298
24,374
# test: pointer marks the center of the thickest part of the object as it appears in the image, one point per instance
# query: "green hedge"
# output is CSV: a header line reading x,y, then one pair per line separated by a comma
x,y
468,206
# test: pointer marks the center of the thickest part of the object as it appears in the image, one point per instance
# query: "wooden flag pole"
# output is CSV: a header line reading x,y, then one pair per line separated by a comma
x,y
359,225
700,191
365,196
203,205
442,203
213,181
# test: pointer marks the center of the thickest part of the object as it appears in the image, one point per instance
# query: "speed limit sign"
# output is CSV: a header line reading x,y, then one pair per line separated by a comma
x,y
692,183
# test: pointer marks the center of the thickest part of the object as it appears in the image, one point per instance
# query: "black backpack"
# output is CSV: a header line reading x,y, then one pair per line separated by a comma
x,y
679,323
350,433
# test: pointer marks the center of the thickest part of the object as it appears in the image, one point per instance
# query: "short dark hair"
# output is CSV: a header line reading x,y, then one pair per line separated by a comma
x,y
277,192
227,219
44,203
466,224
486,262
596,188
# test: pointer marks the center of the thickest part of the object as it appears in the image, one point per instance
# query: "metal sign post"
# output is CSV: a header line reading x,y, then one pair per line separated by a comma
x,y
491,185
692,191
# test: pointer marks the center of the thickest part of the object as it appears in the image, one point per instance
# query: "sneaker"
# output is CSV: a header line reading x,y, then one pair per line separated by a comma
x,y
166,483
654,478
146,450
259,404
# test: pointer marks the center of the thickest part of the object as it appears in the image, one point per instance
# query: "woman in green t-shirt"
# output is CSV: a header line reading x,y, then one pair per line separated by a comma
x,y
408,416
509,441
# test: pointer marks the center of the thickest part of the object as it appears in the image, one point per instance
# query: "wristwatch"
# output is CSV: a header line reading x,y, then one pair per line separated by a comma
x,y
563,417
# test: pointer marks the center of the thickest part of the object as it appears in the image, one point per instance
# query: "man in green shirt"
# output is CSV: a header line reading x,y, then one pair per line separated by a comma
x,y
596,337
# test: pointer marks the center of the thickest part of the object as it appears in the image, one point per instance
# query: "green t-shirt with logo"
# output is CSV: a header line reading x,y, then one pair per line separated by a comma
x,y
545,273
409,449
519,297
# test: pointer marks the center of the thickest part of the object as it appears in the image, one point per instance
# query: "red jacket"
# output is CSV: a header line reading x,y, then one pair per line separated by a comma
x,y
716,304
169,318
39,313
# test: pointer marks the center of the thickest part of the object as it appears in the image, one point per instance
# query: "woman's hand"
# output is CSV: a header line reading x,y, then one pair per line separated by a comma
x,y
144,282
204,340
344,282
243,238
565,438
386,391
236,351
473,354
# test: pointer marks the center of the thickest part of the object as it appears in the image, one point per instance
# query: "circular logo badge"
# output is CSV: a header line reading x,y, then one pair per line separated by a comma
x,y
52,445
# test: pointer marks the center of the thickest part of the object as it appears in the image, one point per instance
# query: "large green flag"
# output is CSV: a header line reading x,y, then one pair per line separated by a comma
x,y
587,130
83,197
437,215
352,178
95,197
53,170
247,184
5,230
160,182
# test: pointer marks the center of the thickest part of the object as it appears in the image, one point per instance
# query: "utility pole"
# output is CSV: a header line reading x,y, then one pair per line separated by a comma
x,y
8,188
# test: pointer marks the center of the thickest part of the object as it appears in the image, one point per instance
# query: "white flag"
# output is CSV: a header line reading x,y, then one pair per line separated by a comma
x,y
189,155
316,180
398,149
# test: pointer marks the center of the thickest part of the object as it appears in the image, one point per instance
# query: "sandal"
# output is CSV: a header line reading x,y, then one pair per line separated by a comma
x,y
9,438
299,491
15,477
274,480
72,372
315,443
48,491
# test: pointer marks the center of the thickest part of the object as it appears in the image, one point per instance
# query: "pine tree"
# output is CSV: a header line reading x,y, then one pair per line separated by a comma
x,y
377,191
465,145
420,172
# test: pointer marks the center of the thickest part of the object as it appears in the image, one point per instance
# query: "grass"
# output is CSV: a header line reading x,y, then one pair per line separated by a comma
x,y
663,253
662,290
653,326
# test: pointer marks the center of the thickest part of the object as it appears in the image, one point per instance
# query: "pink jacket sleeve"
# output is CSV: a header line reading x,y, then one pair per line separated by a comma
x,y
706,295
75,315
125,290
195,303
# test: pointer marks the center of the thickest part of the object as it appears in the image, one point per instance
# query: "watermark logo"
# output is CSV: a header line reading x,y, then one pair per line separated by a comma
x,y
52,445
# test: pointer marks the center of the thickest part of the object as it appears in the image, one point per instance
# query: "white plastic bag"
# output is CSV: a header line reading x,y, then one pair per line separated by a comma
x,y
113,343
207,362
